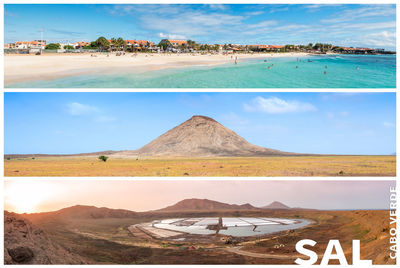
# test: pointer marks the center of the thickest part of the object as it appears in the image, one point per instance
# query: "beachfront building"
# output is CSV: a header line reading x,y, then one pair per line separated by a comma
x,y
268,48
10,46
140,45
178,43
36,44
258,48
78,45
355,50
173,45
275,48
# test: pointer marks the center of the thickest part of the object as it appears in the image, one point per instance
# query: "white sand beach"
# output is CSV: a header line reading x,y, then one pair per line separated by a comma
x,y
23,68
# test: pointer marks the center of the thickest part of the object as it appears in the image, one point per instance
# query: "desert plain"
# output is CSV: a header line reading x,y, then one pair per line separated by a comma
x,y
334,165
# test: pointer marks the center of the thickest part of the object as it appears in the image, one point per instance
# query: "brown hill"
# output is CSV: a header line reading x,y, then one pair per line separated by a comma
x,y
276,205
84,212
200,136
13,156
195,204
24,243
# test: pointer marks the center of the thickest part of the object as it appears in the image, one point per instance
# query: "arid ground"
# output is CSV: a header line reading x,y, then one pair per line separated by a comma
x,y
100,235
217,166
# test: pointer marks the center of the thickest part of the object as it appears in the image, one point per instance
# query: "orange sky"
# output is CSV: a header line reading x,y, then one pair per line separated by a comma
x,y
31,195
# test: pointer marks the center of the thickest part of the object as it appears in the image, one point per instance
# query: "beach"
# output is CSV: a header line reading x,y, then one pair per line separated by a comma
x,y
25,68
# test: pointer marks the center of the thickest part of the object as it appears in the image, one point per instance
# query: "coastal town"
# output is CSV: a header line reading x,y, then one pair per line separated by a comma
x,y
103,44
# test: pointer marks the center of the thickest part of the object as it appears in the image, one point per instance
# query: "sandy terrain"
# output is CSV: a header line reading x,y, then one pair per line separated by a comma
x,y
204,167
22,68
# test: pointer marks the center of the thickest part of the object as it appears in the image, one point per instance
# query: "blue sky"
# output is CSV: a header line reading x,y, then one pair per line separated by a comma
x,y
331,123
346,25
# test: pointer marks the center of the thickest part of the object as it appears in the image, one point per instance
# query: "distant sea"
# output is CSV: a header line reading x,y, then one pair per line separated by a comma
x,y
374,71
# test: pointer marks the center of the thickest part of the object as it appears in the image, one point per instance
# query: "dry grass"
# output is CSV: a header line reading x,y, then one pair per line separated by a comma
x,y
240,166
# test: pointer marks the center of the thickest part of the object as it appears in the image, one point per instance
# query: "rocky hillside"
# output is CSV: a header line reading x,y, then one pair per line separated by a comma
x,y
24,243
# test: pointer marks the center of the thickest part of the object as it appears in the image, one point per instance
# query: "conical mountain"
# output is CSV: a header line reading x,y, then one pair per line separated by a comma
x,y
276,205
201,136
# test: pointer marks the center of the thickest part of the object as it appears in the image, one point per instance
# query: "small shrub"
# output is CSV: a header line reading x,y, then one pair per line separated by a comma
x,y
103,158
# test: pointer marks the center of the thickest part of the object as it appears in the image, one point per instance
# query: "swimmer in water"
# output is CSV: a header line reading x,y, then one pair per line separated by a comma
x,y
326,66
297,67
324,72
358,68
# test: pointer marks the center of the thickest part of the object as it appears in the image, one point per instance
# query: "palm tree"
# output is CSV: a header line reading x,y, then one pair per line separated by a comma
x,y
164,44
148,45
120,43
102,43
114,42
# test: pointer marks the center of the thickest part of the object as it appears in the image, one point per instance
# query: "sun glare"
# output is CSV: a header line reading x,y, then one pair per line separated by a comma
x,y
26,196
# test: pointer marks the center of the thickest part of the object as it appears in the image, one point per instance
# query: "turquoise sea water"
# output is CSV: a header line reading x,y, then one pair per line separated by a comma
x,y
374,71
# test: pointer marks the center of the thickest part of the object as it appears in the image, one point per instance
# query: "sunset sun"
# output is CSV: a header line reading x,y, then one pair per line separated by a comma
x,y
27,196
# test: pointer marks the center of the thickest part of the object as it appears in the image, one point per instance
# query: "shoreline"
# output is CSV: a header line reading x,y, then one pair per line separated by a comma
x,y
26,68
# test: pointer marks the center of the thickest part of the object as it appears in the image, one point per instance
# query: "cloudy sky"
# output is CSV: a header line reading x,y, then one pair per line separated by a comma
x,y
345,25
327,123
49,195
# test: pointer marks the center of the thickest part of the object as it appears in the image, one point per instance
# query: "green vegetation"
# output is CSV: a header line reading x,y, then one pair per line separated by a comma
x,y
53,46
103,158
119,43
92,45
102,43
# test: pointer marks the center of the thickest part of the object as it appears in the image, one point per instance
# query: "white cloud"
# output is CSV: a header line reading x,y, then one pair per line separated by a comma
x,y
383,38
91,112
171,36
10,14
76,108
254,13
388,124
218,7
275,105
278,9
263,24
361,13
355,26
